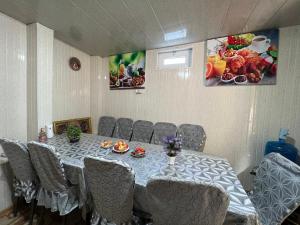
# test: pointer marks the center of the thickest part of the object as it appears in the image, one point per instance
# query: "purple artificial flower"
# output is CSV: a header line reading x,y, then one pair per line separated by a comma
x,y
173,144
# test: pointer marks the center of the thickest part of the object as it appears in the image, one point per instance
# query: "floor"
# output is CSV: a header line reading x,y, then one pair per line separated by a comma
x,y
50,219
75,218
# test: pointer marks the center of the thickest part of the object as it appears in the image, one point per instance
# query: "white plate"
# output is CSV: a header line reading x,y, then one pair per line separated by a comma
x,y
117,151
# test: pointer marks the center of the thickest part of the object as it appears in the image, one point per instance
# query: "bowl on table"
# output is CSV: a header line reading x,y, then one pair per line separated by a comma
x,y
138,152
120,147
106,144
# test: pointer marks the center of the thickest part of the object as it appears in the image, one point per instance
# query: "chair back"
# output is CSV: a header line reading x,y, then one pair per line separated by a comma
x,y
162,130
48,166
276,189
193,136
172,201
19,160
106,126
123,129
142,131
111,184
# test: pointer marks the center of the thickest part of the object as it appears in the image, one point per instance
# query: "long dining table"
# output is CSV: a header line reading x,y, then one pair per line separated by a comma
x,y
190,165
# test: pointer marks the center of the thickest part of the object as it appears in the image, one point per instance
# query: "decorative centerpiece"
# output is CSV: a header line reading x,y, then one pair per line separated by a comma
x,y
173,146
73,133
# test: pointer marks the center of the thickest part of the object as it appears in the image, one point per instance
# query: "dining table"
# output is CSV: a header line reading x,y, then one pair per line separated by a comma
x,y
190,165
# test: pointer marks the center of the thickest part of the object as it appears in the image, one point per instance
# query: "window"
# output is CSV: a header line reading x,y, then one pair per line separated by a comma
x,y
175,59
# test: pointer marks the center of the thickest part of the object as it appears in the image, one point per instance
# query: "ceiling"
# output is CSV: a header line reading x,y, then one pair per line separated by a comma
x,y
106,27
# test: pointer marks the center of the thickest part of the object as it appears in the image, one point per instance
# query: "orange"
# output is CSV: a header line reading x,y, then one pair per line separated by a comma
x,y
209,70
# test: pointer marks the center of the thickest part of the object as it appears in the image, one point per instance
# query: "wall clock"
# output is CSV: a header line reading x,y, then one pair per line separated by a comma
x,y
75,63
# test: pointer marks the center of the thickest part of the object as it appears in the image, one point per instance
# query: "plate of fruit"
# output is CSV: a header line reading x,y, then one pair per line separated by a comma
x,y
138,152
120,147
106,144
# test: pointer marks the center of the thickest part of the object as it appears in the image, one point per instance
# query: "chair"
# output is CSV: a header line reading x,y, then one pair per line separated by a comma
x,y
193,137
111,184
123,129
25,182
106,126
276,190
142,131
172,201
55,192
162,130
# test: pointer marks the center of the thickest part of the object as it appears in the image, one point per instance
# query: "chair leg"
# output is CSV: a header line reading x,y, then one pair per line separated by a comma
x,y
16,205
88,218
65,220
32,211
41,217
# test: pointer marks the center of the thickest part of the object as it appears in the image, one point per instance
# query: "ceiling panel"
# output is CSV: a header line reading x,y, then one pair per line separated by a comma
x,y
237,16
106,27
262,13
288,15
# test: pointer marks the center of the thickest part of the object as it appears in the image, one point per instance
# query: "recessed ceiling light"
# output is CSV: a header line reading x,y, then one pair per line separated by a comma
x,y
175,35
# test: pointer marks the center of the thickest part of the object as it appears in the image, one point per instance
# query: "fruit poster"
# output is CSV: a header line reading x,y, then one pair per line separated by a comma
x,y
243,59
127,71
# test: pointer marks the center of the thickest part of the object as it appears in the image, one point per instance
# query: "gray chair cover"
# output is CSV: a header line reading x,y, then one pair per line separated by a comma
x,y
276,192
142,131
172,201
123,129
106,126
111,184
162,130
193,137
25,182
54,193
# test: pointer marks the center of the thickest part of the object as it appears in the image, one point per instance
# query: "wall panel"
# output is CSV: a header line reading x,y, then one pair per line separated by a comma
x,y
71,89
13,113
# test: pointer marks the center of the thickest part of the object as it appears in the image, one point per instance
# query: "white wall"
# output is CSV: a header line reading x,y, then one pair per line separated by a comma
x,y
96,90
71,89
39,78
13,113
238,120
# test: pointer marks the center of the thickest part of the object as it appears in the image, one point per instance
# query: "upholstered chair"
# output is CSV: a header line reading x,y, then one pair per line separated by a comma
x,y
173,201
123,129
161,130
55,192
111,184
25,182
193,137
106,126
142,131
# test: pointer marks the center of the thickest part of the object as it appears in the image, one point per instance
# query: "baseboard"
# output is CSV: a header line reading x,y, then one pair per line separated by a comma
x,y
6,212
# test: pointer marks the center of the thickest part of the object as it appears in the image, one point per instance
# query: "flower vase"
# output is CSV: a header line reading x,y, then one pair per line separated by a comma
x,y
172,160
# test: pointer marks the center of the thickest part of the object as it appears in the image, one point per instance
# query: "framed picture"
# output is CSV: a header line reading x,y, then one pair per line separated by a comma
x,y
62,125
127,71
242,59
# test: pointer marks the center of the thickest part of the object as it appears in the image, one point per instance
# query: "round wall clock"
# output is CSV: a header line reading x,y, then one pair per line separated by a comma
x,y
75,63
